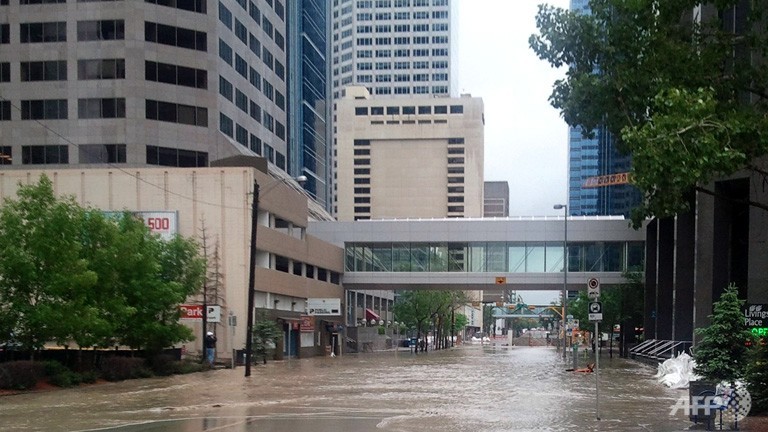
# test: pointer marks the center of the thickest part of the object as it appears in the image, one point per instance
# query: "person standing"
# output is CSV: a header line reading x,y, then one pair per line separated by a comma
x,y
210,347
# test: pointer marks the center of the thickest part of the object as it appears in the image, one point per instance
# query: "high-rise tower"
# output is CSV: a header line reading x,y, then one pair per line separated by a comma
x,y
152,82
596,156
396,48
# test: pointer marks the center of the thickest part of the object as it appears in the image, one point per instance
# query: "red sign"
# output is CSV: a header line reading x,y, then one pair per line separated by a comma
x,y
307,323
191,312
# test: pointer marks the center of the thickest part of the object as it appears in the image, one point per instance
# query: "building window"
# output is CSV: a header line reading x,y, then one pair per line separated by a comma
x,y
43,32
198,6
178,75
226,125
175,36
101,153
5,110
226,88
457,109
44,71
100,30
359,142
44,109
101,108
241,135
101,69
362,190
455,140
176,113
5,33
6,155
166,156
361,111
44,155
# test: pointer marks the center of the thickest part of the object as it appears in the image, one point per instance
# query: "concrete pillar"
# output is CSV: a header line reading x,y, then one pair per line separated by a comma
x,y
665,277
685,254
651,252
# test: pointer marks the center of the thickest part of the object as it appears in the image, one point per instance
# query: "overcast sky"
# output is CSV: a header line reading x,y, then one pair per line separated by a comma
x,y
526,141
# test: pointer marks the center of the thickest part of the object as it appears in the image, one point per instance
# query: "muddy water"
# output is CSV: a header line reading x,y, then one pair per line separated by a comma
x,y
472,388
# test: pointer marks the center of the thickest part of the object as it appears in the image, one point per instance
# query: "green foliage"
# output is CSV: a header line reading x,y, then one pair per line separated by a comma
x,y
382,330
20,375
265,336
721,354
65,378
756,377
669,88
118,368
72,274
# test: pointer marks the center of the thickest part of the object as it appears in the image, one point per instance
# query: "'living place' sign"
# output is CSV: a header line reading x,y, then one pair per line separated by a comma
x,y
756,318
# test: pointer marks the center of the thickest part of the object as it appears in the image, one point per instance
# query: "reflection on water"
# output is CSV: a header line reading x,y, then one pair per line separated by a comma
x,y
472,388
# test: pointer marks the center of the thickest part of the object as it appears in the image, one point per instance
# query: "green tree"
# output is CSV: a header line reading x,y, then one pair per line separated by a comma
x,y
669,86
757,377
156,277
721,355
44,279
265,336
70,274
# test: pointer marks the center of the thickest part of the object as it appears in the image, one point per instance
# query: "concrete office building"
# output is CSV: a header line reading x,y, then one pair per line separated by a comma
x,y
291,265
395,48
135,83
408,158
496,199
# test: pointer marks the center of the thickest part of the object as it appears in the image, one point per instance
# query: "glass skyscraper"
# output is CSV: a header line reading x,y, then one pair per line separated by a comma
x,y
596,156
309,149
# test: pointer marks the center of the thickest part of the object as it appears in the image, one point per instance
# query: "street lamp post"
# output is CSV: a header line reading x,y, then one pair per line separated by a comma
x,y
252,272
564,207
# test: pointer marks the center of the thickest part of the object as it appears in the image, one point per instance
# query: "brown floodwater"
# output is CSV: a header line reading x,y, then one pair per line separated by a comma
x,y
470,388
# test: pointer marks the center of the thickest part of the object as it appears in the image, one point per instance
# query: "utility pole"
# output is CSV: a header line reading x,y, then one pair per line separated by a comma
x,y
251,280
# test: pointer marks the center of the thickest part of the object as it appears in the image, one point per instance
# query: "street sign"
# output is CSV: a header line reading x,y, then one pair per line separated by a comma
x,y
593,289
595,311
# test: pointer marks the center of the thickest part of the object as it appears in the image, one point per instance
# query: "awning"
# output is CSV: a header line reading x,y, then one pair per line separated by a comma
x,y
289,318
371,315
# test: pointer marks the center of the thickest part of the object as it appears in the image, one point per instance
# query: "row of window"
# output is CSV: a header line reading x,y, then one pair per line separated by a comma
x,y
402,16
409,110
363,4
189,5
56,70
102,154
309,271
512,257
402,78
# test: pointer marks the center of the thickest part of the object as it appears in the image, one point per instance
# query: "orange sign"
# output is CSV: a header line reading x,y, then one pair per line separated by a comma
x,y
501,280
607,180
307,323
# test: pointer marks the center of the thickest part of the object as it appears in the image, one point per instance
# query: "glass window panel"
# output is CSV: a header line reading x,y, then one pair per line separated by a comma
x,y
457,257
419,258
476,257
554,258
349,258
401,258
496,257
438,258
381,257
593,255
613,258
635,256
516,258
575,257
535,258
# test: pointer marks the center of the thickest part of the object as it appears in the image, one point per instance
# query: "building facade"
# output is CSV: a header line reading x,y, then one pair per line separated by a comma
x,y
134,83
496,199
291,265
395,48
408,158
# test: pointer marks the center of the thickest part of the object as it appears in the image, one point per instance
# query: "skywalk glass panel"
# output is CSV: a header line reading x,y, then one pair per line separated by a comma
x,y
496,257
438,258
401,257
419,257
516,258
535,258
476,257
554,258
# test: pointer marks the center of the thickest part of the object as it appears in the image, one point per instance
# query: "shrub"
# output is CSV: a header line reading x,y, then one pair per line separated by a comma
x,y
20,375
163,364
186,366
89,377
65,378
122,368
52,367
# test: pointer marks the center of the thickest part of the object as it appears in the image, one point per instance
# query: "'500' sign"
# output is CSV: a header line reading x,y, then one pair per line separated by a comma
x,y
161,223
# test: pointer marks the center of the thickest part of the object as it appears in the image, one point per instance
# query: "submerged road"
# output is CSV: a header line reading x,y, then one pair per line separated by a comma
x,y
470,388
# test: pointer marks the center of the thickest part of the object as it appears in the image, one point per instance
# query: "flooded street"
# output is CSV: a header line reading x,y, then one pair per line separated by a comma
x,y
471,388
